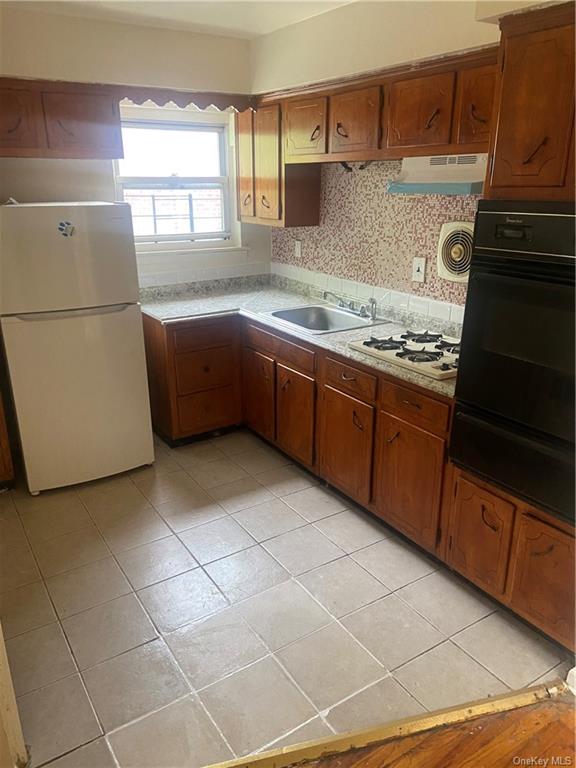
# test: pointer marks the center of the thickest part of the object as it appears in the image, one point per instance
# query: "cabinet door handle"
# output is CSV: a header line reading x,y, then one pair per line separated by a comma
x,y
16,125
394,436
265,202
206,369
432,118
344,377
475,116
66,130
547,551
535,151
315,133
247,199
340,130
490,525
412,405
285,384
356,421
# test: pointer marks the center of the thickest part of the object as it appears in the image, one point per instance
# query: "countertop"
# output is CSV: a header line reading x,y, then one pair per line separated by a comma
x,y
255,304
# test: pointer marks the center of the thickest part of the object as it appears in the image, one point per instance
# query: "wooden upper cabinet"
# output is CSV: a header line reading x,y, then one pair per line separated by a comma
x,y
474,104
295,413
21,121
83,124
245,162
479,535
533,135
267,162
355,120
305,126
420,111
542,579
258,387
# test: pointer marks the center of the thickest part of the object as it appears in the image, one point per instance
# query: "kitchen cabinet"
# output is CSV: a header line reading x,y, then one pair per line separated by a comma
x,y
305,126
295,413
355,120
6,465
532,150
245,163
474,104
267,162
259,387
542,577
419,111
480,534
409,464
21,120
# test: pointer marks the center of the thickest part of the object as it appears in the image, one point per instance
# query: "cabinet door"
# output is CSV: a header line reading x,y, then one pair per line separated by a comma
x,y
305,126
536,111
479,536
267,162
355,120
83,124
258,390
245,160
420,111
408,478
347,432
474,103
295,408
542,579
21,120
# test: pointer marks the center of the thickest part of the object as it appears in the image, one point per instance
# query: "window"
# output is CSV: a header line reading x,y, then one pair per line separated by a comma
x,y
175,178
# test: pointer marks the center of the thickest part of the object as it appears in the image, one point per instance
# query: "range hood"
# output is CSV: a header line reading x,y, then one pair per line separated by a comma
x,y
441,175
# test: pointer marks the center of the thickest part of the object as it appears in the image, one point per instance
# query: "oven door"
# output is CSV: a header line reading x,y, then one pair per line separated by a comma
x,y
517,354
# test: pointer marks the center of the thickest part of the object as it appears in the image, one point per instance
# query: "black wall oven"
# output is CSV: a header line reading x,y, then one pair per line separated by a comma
x,y
514,417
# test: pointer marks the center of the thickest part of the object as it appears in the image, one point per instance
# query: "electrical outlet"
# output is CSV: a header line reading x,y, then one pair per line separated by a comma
x,y
418,269
297,249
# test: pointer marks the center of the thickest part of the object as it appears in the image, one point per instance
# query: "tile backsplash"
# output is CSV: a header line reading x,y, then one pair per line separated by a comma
x,y
370,236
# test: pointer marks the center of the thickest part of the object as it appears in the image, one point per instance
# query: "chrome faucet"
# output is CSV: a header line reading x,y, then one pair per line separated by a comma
x,y
340,301
368,312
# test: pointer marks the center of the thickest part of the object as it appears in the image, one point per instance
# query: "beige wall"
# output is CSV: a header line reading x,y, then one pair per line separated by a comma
x,y
364,36
38,44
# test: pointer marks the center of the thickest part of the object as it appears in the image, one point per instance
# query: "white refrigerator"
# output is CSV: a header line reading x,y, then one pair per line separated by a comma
x,y
72,333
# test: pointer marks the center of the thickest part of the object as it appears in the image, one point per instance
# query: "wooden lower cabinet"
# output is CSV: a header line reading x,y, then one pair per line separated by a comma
x,y
258,388
346,441
542,577
480,535
408,478
295,413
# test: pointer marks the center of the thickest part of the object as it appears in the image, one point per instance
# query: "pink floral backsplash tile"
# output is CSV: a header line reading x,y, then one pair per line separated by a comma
x,y
371,236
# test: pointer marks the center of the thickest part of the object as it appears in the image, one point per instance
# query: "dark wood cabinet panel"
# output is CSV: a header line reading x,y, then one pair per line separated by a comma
x,y
205,411
408,474
474,105
355,120
542,578
479,535
346,441
295,413
258,387
532,145
418,409
351,380
245,162
83,124
6,465
205,369
267,162
21,120
420,111
305,126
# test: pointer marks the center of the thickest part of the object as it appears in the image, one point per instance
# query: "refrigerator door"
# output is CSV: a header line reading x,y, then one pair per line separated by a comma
x,y
65,256
80,390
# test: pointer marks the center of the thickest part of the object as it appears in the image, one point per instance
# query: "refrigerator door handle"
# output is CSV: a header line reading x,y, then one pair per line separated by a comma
x,y
71,313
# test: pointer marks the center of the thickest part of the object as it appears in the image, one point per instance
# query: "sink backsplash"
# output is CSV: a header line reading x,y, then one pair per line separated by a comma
x,y
371,236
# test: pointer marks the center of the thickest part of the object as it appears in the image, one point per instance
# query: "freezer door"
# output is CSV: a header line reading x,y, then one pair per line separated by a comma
x,y
66,256
80,389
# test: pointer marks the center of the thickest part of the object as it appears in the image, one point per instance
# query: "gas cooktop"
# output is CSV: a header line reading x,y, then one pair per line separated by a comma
x,y
431,354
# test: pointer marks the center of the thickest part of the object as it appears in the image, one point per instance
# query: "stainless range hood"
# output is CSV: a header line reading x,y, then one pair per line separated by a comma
x,y
441,175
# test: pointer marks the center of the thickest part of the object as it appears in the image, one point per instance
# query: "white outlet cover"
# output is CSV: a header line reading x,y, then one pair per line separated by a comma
x,y
297,249
418,269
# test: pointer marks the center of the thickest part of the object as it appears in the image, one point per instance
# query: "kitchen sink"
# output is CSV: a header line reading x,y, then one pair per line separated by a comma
x,y
321,319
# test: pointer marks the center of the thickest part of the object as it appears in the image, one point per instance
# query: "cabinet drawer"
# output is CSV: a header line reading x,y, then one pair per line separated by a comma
x,y
201,336
205,369
208,410
349,379
285,350
413,407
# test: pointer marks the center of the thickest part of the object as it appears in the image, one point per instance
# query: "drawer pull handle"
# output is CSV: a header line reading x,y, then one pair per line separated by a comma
x,y
247,199
412,405
341,131
490,525
356,421
315,133
547,551
265,202
344,377
66,130
394,436
432,118
16,125
206,369
285,384
535,151
475,116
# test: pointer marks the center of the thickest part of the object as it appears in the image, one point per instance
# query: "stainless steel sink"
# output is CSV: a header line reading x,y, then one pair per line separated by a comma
x,y
319,319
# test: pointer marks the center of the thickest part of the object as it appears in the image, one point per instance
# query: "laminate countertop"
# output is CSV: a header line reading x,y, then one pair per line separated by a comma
x,y
259,303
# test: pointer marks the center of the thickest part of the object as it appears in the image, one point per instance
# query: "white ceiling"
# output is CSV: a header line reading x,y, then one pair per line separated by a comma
x,y
233,18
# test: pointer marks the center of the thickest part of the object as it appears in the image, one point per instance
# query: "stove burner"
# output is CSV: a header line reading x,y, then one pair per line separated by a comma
x,y
384,345
419,355
450,347
421,338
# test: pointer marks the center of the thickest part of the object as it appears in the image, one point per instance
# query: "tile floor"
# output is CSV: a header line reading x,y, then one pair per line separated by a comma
x,y
224,601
